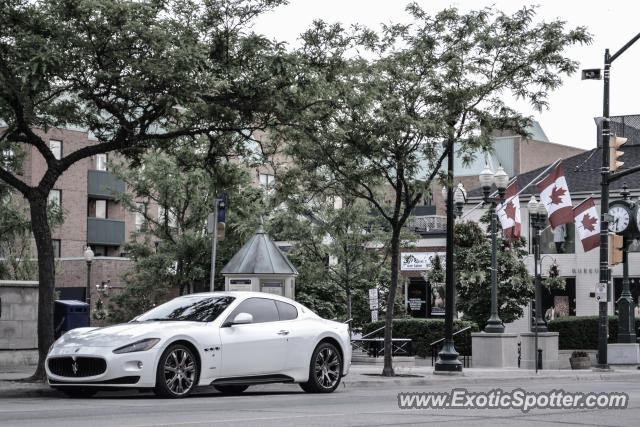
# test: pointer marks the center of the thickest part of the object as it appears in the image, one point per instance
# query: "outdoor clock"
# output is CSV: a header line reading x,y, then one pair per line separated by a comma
x,y
624,217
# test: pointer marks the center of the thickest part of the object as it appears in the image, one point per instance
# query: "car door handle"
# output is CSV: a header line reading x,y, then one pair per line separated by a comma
x,y
283,332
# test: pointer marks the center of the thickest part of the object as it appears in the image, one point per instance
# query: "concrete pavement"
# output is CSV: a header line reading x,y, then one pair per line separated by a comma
x,y
369,376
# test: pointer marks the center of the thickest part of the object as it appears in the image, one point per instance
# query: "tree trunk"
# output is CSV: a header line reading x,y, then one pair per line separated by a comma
x,y
387,371
46,280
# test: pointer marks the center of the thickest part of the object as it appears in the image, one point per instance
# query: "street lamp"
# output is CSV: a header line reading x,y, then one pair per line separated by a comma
x,y
537,218
501,180
88,257
459,198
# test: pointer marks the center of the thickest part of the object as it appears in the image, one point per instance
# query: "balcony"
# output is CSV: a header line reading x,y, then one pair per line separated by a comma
x,y
102,231
428,224
103,184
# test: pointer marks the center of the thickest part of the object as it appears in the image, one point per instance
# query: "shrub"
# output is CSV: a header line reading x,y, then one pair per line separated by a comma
x,y
425,331
581,332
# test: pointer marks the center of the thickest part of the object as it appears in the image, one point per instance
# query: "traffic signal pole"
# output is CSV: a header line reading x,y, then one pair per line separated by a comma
x,y
603,323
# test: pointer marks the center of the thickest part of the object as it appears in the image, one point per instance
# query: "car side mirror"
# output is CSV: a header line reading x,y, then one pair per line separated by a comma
x,y
243,319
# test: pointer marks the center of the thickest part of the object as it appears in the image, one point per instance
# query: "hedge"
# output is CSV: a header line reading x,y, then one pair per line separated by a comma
x,y
425,331
581,333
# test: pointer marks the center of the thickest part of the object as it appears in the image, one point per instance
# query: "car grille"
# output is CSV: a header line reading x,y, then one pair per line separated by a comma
x,y
80,367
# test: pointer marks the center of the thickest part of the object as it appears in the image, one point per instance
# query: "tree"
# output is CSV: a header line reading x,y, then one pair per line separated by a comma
x,y
392,108
336,243
134,75
183,194
473,275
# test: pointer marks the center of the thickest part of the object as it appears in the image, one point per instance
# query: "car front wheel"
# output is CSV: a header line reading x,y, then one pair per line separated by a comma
x,y
325,370
177,372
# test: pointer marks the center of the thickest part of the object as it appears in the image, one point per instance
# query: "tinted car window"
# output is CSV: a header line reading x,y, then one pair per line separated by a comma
x,y
286,311
262,310
193,308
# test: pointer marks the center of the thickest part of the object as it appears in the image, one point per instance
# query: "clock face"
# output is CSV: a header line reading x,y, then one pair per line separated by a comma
x,y
620,219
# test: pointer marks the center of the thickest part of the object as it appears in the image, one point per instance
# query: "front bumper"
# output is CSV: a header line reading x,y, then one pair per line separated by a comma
x,y
136,369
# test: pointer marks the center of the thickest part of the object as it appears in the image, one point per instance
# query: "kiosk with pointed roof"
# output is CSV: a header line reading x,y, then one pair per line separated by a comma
x,y
260,266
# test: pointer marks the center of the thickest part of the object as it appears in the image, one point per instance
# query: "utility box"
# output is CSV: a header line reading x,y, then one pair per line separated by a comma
x,y
69,314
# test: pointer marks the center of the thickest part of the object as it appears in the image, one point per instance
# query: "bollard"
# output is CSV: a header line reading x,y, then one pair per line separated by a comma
x,y
539,362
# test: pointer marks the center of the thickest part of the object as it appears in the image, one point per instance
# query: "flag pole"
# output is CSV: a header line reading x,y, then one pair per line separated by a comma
x,y
533,181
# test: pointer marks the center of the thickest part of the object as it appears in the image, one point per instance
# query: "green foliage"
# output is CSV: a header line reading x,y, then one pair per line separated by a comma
x,y
335,248
581,332
473,275
391,99
423,332
176,185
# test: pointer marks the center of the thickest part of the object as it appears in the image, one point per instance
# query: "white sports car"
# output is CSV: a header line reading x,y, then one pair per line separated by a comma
x,y
230,340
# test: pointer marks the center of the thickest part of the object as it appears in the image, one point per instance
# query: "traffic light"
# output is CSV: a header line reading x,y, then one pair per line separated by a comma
x,y
222,216
615,249
614,143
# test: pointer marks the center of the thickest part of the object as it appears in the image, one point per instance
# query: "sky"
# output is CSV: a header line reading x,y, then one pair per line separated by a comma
x,y
572,107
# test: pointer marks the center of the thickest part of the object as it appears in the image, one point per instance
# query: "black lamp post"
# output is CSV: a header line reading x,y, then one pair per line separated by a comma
x,y
501,180
537,218
448,356
88,257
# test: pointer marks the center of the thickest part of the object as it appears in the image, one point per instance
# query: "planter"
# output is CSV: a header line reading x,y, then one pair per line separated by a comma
x,y
580,362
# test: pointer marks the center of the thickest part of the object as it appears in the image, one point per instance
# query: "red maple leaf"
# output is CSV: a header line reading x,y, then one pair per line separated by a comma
x,y
510,211
588,223
556,195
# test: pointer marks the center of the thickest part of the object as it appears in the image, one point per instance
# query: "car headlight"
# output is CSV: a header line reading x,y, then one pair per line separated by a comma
x,y
142,345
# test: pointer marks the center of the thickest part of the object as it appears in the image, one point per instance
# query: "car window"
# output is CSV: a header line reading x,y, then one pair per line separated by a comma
x,y
191,308
262,310
286,311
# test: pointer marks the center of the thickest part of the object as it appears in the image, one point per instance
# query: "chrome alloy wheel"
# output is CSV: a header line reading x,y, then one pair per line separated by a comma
x,y
179,371
327,367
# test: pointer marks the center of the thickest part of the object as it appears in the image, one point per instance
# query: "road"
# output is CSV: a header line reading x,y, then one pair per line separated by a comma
x,y
287,405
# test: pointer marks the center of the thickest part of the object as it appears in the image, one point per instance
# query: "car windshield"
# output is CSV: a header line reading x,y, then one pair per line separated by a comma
x,y
189,308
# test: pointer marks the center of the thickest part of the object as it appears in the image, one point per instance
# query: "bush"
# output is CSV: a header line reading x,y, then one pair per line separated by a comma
x,y
581,332
425,331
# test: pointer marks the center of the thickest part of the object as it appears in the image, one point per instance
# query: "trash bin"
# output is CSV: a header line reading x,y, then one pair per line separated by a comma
x,y
69,314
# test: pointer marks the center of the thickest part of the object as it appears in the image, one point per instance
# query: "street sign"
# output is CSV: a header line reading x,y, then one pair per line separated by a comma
x,y
373,299
374,315
601,292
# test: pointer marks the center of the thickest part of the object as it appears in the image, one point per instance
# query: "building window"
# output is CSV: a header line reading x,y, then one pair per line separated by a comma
x,y
101,162
266,180
562,240
101,208
55,197
99,250
56,248
141,212
56,148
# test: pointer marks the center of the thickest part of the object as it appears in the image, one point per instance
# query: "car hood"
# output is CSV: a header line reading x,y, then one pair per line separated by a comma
x,y
126,333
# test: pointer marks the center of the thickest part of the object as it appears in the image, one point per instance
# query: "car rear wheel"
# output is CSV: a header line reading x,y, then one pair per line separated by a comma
x,y
177,372
77,392
231,389
325,370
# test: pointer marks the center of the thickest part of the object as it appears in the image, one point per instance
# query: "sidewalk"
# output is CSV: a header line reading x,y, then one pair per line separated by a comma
x,y
369,376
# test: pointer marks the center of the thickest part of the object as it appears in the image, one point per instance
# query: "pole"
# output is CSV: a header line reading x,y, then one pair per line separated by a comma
x,y
603,321
214,241
539,325
626,317
448,356
494,324
89,288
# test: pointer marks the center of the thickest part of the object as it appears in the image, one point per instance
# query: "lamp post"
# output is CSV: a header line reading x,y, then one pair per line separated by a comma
x,y
501,180
537,218
448,356
88,257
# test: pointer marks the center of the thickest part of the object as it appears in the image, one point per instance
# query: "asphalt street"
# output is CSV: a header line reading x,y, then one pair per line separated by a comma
x,y
287,405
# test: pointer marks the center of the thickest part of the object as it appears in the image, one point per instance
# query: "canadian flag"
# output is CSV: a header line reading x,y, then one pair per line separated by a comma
x,y
587,224
510,213
554,194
